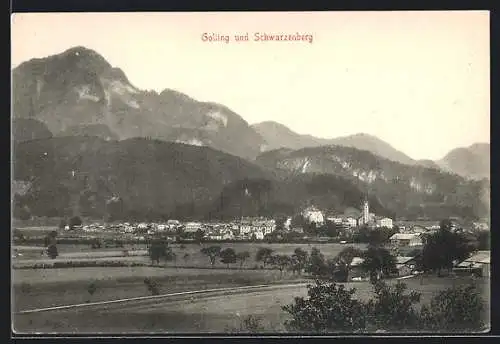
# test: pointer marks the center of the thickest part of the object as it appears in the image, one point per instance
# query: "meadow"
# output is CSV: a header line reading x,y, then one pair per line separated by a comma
x,y
211,314
38,288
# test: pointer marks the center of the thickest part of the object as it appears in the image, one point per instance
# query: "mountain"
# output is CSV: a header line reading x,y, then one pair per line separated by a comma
x,y
279,136
26,129
472,162
150,179
140,179
408,190
77,92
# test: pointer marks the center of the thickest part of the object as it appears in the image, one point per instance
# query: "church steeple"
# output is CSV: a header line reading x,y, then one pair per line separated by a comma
x,y
366,210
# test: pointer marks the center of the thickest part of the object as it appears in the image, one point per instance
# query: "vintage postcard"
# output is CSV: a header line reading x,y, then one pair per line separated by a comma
x,y
251,172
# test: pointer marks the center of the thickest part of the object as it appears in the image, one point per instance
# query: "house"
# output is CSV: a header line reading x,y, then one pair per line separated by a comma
x,y
406,239
478,263
192,227
405,265
356,271
312,214
257,235
336,219
384,222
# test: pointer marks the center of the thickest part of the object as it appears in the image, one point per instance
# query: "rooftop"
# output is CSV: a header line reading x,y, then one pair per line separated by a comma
x,y
405,236
479,257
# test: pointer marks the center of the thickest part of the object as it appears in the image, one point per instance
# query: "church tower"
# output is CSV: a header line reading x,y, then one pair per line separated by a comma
x,y
366,211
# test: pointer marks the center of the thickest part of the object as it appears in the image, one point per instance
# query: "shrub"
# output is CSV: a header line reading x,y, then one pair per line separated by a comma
x,y
152,285
454,309
329,308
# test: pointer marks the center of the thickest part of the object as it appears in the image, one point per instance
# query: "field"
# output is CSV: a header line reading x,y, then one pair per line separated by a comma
x,y
210,314
38,288
187,255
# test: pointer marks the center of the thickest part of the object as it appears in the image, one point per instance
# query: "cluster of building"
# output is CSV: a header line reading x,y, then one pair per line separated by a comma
x,y
312,214
242,229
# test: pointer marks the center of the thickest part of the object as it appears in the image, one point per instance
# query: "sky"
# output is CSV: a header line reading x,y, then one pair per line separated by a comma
x,y
417,80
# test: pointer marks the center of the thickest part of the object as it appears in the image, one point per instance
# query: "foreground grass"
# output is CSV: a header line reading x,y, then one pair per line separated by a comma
x,y
54,287
211,314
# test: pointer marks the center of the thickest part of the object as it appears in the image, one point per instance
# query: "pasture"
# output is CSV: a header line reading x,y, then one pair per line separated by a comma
x,y
36,288
187,255
210,314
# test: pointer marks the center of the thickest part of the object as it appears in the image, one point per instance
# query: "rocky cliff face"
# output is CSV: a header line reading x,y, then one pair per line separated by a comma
x,y
408,189
78,92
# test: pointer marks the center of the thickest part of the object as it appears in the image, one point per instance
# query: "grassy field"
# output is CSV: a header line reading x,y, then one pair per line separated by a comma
x,y
211,314
37,288
186,254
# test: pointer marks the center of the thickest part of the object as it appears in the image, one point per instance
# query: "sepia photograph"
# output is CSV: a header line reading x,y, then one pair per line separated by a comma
x,y
233,173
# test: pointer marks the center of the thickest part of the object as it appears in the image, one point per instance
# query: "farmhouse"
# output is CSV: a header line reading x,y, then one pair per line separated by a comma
x,y
192,227
312,214
478,263
405,265
406,239
384,222
356,271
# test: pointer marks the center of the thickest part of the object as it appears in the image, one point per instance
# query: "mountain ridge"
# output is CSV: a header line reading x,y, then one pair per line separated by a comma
x,y
279,136
79,88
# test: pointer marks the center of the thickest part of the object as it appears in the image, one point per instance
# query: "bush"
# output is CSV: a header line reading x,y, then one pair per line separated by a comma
x,y
152,286
329,308
454,309
92,288
25,288
249,324
392,308
52,251
75,221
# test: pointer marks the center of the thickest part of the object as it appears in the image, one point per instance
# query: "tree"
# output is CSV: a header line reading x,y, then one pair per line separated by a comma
x,y
316,265
75,221
378,262
62,224
50,239
95,243
52,251
212,252
454,309
228,256
392,308
18,235
298,221
249,324
152,285
242,257
444,247
329,308
91,288
483,240
280,222
301,257
380,236
159,249
346,256
339,266
22,213
281,261
330,229
198,236
263,255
